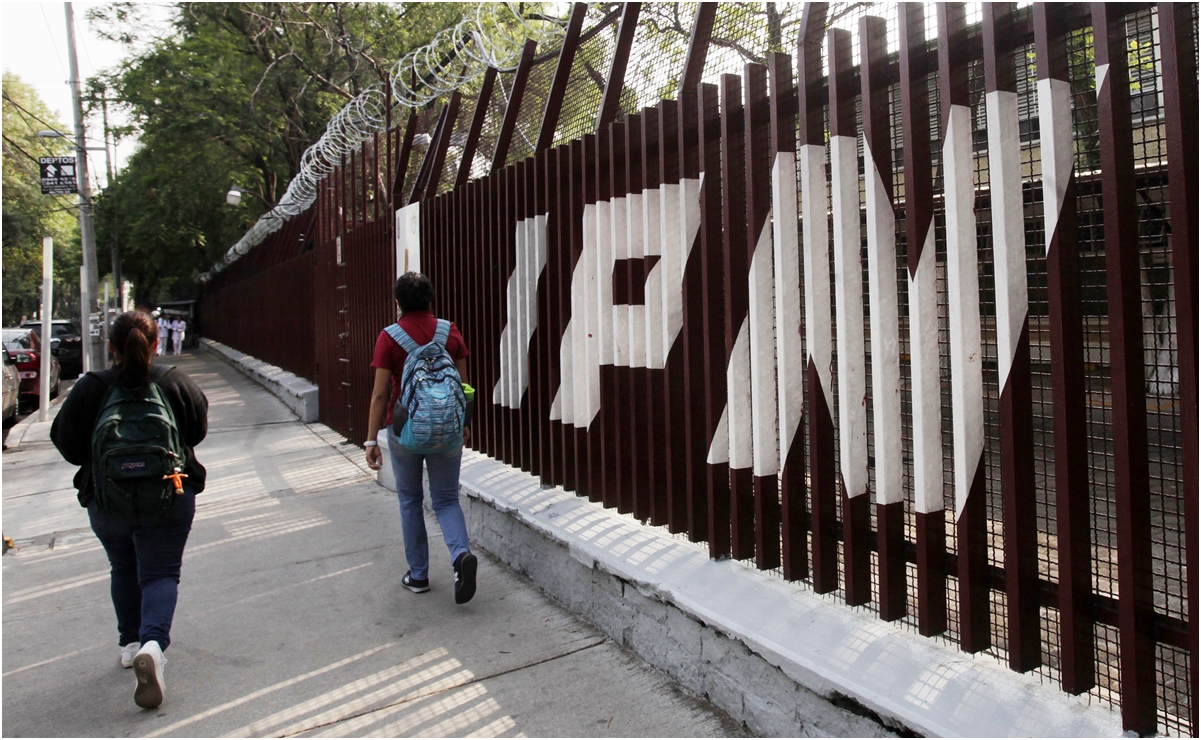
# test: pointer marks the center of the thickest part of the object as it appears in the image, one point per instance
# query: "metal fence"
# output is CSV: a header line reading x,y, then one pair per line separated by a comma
x,y
895,301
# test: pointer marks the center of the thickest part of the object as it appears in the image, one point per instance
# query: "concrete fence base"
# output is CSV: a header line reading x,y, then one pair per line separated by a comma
x,y
297,393
774,655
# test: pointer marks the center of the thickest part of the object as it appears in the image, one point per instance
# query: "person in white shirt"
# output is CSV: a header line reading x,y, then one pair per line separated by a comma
x,y
178,327
164,331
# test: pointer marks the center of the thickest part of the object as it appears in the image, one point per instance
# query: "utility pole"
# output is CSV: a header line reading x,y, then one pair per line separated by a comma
x,y
108,183
47,327
93,351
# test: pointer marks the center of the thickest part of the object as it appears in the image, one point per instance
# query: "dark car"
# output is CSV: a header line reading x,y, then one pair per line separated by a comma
x,y
26,349
70,344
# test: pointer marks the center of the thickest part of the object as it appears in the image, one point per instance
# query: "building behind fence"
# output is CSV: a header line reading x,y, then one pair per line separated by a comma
x,y
898,302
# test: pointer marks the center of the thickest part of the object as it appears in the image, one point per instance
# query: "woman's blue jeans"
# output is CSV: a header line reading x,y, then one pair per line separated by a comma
x,y
444,496
146,557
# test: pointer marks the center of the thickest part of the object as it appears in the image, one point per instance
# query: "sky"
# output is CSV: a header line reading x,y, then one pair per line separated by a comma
x,y
35,49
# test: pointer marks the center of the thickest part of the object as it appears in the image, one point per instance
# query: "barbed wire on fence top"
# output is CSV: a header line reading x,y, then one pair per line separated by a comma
x,y
493,35
456,56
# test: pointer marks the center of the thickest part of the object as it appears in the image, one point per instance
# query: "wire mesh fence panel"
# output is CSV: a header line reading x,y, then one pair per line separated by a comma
x,y
589,73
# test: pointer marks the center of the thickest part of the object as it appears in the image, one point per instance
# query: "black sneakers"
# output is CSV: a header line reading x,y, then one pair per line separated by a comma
x,y
417,587
464,578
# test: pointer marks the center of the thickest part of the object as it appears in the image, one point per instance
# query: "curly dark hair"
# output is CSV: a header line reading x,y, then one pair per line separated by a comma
x,y
413,292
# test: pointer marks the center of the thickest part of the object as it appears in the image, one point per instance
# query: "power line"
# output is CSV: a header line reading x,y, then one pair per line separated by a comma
x,y
34,116
53,43
22,151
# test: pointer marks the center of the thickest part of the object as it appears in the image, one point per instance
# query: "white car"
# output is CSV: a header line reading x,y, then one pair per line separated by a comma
x,y
12,388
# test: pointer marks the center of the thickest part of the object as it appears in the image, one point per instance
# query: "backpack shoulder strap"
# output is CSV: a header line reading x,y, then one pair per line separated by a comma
x,y
401,337
442,333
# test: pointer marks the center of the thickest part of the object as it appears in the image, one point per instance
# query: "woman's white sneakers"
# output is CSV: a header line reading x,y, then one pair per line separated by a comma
x,y
148,670
127,653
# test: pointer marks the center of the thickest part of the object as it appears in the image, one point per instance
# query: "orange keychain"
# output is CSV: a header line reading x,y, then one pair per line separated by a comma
x,y
178,477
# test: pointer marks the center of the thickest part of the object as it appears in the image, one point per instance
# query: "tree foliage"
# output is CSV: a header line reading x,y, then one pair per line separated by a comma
x,y
232,95
29,215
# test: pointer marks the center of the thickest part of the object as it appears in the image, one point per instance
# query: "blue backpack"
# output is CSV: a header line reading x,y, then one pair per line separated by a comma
x,y
428,417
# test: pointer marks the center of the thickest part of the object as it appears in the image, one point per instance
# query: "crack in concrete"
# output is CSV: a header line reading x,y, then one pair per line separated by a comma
x,y
474,680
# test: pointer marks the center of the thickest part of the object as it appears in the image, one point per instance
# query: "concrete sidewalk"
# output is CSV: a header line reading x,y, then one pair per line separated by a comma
x,y
291,618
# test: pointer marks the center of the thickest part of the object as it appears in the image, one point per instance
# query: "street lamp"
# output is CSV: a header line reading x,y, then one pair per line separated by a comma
x,y
48,134
234,196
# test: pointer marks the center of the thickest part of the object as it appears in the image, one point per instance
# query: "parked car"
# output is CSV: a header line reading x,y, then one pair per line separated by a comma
x,y
12,388
26,349
69,349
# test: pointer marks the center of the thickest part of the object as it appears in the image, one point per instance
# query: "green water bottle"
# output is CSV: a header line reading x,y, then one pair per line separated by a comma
x,y
469,394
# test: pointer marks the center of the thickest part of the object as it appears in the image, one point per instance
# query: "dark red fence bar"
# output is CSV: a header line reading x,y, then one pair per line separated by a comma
x,y
815,247
615,81
546,201
971,508
848,300
1072,516
717,472
1136,607
508,125
574,438
592,165
760,326
634,390
672,385
477,125
923,326
698,47
1013,341
693,332
1176,32
794,547
558,85
735,269
606,422
656,423
885,328
620,375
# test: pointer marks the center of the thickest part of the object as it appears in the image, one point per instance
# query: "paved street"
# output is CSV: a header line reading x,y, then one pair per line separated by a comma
x,y
291,618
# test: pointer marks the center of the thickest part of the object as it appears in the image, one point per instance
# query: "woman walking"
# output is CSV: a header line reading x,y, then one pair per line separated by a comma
x,y
140,508
417,327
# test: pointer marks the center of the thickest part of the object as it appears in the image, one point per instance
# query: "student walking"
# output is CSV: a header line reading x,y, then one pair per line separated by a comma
x,y
141,497
164,335
178,328
413,445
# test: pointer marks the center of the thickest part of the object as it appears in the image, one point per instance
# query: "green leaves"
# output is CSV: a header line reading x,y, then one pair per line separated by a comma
x,y
29,215
234,96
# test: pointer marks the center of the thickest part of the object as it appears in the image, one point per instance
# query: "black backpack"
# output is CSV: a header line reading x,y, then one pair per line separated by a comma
x,y
138,454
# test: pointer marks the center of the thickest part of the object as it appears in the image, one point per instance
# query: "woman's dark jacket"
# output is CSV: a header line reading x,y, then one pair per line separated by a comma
x,y
72,428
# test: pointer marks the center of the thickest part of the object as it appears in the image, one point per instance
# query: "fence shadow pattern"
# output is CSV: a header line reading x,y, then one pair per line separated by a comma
x,y
905,313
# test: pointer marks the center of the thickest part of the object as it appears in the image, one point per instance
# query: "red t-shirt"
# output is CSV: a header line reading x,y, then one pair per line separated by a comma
x,y
420,325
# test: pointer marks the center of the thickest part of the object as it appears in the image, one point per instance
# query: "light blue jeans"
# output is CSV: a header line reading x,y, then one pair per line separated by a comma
x,y
444,495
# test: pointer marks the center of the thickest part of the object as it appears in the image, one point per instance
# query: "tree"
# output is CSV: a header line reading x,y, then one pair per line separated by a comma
x,y
29,215
233,95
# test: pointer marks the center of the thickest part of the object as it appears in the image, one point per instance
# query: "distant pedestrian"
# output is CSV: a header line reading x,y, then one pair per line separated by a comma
x,y
417,328
164,334
140,500
178,328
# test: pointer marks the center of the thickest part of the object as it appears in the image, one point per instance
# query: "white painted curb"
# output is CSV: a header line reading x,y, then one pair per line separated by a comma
x,y
297,393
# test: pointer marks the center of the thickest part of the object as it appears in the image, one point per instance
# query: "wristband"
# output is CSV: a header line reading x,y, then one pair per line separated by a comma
x,y
371,443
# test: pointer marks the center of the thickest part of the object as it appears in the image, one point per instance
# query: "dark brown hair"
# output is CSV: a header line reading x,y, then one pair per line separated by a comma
x,y
132,335
414,292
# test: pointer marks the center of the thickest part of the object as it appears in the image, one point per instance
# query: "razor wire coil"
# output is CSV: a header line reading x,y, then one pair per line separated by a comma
x,y
491,36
